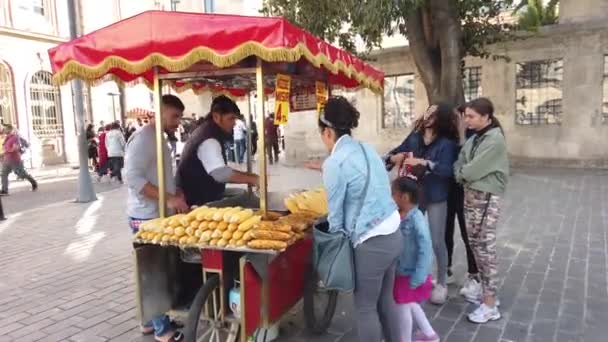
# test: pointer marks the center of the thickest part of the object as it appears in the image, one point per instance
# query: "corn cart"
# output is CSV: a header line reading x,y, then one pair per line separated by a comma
x,y
184,271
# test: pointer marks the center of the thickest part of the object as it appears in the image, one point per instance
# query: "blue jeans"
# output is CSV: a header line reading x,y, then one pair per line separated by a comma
x,y
241,148
162,323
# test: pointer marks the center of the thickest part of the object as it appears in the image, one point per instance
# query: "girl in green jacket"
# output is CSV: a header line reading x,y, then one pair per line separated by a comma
x,y
482,168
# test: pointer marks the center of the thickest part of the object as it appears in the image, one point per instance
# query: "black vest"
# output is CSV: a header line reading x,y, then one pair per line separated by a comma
x,y
192,178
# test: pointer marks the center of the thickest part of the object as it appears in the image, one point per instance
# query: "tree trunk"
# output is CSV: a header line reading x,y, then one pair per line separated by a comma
x,y
438,56
427,63
447,25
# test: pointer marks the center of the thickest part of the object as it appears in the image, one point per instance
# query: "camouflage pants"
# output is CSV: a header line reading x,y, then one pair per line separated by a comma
x,y
481,211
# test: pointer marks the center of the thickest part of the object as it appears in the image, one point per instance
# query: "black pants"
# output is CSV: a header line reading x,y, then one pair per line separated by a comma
x,y
116,165
456,210
272,149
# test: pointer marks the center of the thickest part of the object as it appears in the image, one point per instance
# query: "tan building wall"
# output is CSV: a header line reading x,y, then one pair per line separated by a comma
x,y
27,31
580,140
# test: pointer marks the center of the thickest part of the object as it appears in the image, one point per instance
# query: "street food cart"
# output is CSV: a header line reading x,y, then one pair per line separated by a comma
x,y
234,55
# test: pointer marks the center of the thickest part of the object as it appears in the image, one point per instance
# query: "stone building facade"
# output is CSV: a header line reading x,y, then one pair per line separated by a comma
x,y
550,93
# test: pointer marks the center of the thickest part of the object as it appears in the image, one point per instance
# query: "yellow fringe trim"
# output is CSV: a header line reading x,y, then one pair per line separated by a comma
x,y
73,69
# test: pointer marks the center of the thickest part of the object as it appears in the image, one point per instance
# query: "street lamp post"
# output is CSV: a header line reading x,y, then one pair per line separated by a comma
x,y
113,96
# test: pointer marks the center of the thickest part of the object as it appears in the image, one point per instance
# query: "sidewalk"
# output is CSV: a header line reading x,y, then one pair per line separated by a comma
x,y
67,268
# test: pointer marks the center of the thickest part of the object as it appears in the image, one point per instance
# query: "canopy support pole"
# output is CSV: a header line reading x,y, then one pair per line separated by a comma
x,y
160,157
259,76
249,121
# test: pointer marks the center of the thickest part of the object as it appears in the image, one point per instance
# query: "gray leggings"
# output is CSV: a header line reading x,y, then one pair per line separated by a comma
x,y
437,213
375,262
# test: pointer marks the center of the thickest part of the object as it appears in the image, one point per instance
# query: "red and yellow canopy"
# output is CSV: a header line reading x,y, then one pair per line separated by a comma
x,y
178,42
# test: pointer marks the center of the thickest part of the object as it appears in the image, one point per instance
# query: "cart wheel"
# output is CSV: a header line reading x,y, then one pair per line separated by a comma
x,y
205,319
319,305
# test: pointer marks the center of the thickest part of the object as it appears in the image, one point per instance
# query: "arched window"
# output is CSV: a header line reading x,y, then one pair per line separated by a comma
x,y
46,106
7,95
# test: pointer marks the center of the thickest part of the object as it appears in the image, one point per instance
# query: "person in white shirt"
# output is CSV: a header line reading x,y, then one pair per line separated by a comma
x,y
240,142
115,144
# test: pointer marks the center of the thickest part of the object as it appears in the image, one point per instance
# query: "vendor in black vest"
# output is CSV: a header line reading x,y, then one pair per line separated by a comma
x,y
203,172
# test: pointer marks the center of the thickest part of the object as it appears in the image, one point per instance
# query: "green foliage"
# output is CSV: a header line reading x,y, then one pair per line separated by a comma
x,y
533,14
345,21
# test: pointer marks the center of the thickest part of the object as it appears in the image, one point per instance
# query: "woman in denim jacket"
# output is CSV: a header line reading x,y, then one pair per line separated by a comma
x,y
374,231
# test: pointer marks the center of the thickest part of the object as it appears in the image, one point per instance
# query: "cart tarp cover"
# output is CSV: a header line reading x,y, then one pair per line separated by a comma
x,y
175,42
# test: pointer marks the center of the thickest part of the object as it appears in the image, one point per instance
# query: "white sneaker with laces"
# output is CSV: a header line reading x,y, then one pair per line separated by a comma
x,y
439,295
471,288
484,314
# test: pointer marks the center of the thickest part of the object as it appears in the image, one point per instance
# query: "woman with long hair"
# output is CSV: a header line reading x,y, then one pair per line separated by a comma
x,y
433,145
374,230
482,168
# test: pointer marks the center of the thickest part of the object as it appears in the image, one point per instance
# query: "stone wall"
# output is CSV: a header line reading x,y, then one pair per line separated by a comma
x,y
580,140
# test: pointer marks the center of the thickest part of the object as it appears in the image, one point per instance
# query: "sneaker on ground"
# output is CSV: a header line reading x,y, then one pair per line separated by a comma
x,y
484,314
471,288
439,295
451,279
419,336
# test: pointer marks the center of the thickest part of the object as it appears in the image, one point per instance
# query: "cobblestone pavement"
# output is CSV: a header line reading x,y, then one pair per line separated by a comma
x,y
67,268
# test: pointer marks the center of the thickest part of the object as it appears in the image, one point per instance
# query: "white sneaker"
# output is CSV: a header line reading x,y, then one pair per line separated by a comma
x,y
451,279
471,288
439,295
484,314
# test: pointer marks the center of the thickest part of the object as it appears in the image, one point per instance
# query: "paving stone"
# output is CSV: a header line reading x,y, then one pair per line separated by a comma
x,y
552,267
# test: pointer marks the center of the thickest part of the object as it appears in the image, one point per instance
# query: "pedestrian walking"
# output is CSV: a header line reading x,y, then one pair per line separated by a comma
x,y
92,146
482,168
272,139
434,145
115,144
12,161
240,140
104,164
413,282
351,169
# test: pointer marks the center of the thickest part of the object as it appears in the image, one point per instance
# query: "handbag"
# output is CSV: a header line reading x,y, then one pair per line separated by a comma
x,y
333,258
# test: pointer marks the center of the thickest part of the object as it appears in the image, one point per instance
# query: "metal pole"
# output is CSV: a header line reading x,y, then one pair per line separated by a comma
x,y
113,107
123,104
160,157
248,120
86,192
259,77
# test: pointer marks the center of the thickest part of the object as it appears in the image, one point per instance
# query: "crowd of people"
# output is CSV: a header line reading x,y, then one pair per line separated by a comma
x,y
453,164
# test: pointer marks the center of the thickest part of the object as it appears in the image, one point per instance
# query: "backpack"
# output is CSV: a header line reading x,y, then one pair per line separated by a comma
x,y
23,145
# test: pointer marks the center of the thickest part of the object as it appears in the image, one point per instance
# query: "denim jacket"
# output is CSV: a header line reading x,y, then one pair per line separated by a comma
x,y
441,155
416,259
344,177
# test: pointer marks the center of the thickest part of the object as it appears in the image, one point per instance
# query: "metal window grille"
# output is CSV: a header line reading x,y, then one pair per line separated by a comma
x,y
605,93
45,100
399,100
471,79
7,95
539,92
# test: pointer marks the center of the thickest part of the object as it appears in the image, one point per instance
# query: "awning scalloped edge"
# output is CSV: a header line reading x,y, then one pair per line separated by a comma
x,y
75,70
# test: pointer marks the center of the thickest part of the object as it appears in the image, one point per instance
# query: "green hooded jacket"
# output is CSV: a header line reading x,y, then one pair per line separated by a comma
x,y
483,163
